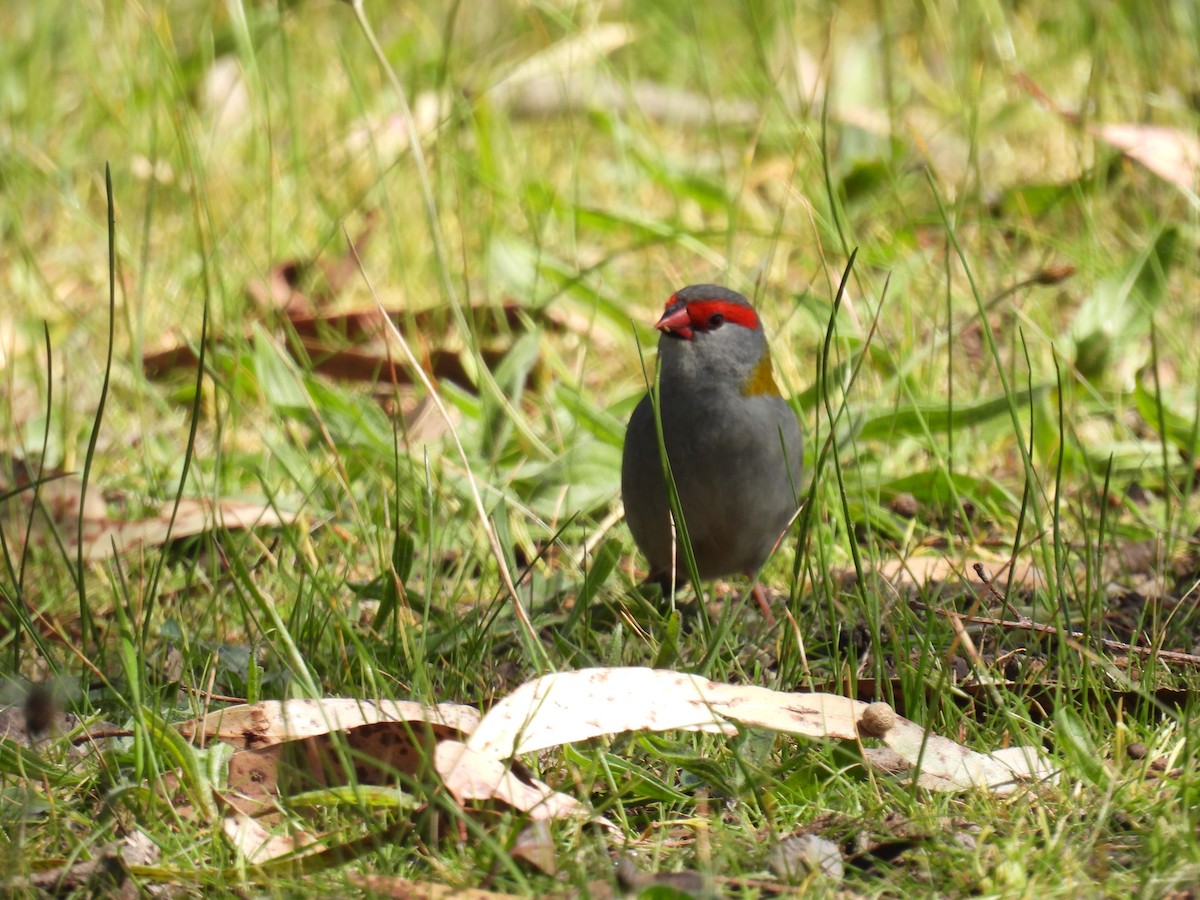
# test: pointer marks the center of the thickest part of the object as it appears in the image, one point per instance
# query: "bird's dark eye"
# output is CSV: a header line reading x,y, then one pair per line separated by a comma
x,y
716,320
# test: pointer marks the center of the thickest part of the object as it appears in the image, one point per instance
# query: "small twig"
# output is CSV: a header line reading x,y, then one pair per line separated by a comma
x,y
208,696
991,588
90,737
1026,624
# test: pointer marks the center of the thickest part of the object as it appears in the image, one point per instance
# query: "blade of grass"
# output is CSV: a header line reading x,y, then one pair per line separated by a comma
x,y
86,626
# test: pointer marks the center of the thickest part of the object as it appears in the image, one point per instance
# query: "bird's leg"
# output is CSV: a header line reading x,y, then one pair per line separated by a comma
x,y
760,597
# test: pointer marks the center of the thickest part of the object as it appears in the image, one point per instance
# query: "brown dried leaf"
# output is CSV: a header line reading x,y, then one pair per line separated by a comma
x,y
1170,153
282,289
173,355
377,752
60,498
252,780
358,344
54,504
105,537
286,747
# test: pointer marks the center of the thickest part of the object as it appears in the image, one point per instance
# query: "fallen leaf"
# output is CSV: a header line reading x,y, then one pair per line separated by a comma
x,y
588,90
259,844
358,345
407,889
581,50
253,725
379,754
923,571
60,497
470,775
676,885
104,537
41,503
534,845
107,870
795,857
572,706
943,765
224,101
282,288
309,740
1170,153
383,138
286,747
252,780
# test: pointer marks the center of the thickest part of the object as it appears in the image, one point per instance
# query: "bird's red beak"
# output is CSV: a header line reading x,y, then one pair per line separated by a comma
x,y
676,322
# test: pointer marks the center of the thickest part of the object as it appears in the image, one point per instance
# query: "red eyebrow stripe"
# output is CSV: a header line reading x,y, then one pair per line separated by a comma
x,y
699,312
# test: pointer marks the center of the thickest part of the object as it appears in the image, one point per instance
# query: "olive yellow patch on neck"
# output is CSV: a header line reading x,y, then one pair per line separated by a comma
x,y
762,380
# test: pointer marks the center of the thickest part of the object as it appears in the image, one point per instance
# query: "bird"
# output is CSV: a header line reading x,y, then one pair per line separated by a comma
x,y
732,440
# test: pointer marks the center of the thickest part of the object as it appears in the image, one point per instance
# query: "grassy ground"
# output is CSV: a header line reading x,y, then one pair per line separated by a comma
x,y
1011,373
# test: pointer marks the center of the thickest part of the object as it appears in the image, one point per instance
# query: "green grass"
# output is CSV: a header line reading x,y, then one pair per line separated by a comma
x,y
1057,418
